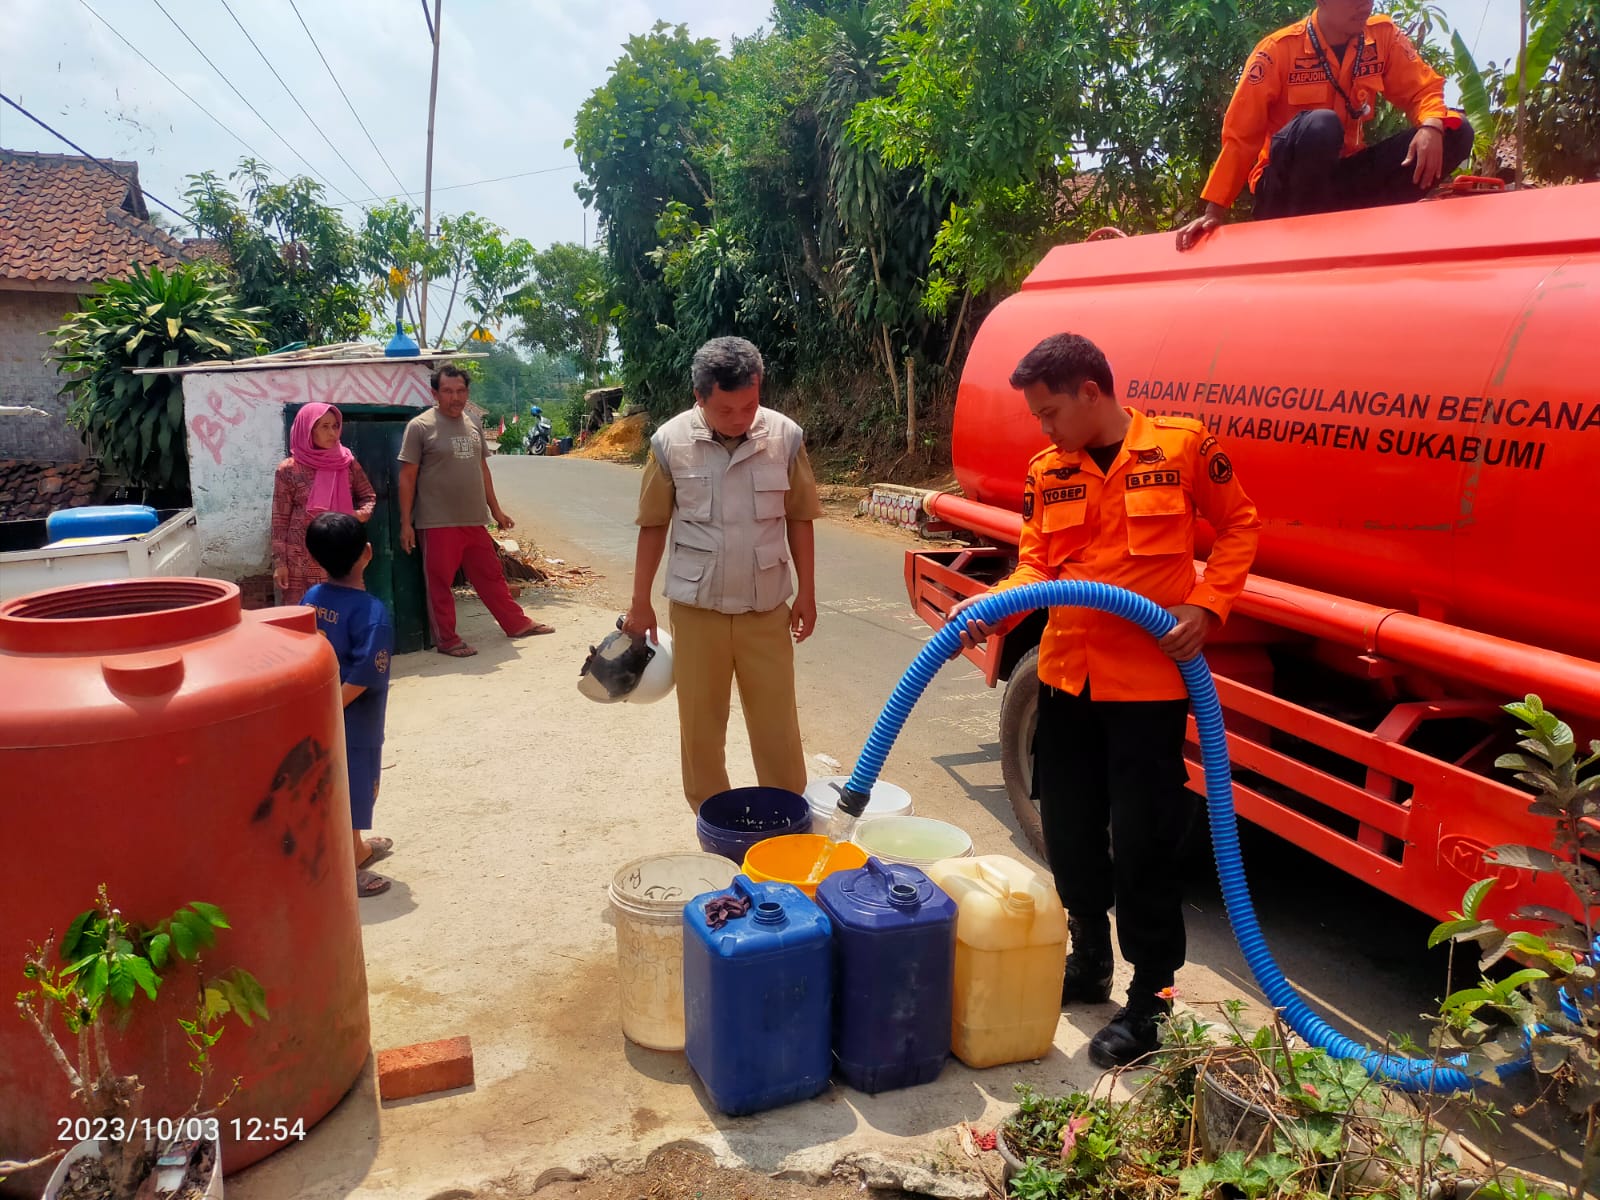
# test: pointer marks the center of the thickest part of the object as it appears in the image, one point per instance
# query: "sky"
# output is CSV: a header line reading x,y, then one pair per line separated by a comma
x,y
512,76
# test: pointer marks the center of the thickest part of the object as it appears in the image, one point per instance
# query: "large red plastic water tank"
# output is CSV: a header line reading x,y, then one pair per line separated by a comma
x,y
1408,394
159,740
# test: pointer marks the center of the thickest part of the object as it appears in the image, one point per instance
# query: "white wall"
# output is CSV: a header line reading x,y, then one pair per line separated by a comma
x,y
236,439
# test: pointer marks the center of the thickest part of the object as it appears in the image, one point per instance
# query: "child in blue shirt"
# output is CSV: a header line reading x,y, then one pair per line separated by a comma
x,y
358,626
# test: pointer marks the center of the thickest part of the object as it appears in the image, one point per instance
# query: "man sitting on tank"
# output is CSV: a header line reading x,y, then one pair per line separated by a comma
x,y
1294,128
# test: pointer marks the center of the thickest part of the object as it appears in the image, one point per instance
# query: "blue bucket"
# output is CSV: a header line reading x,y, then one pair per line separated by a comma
x,y
733,821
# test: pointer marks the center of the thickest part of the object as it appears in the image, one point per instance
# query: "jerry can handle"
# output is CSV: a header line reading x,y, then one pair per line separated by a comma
x,y
994,880
882,872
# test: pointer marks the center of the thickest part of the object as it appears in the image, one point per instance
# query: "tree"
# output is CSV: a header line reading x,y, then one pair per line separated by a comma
x,y
1562,139
150,320
1048,118
495,270
565,310
640,139
505,382
392,251
290,254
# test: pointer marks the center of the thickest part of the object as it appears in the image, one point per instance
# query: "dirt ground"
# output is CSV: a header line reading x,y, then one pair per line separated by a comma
x,y
621,441
684,1173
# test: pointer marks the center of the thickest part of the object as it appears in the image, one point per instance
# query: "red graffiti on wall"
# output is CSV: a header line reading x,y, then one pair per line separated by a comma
x,y
229,406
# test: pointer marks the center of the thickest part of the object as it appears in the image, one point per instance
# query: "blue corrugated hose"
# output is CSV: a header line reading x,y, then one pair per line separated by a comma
x,y
1409,1074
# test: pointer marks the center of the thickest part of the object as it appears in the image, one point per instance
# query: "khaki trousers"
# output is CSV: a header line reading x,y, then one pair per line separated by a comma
x,y
709,651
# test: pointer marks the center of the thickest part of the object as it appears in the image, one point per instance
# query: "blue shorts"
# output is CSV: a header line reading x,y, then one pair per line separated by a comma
x,y
365,764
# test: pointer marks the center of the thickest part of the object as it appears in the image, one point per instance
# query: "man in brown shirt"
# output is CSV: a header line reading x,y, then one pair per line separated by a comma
x,y
729,491
446,496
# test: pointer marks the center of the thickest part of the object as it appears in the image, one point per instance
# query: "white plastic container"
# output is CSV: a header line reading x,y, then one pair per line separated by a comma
x,y
647,897
912,841
1011,954
886,800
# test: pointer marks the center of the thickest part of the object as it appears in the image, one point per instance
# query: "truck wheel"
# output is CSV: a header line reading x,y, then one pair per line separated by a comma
x,y
1019,712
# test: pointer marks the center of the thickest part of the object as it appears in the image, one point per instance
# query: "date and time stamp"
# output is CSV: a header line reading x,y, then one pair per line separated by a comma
x,y
165,1130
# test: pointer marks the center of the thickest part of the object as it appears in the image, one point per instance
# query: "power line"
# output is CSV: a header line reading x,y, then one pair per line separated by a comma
x,y
241,96
477,182
253,151
104,166
296,100
342,92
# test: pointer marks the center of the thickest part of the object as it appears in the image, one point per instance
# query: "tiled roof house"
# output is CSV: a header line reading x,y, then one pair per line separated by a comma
x,y
65,225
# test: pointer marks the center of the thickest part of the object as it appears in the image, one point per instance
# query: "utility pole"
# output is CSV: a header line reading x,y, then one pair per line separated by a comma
x,y
427,186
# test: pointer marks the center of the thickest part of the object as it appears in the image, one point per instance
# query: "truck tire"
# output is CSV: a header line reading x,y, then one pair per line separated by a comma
x,y
1019,711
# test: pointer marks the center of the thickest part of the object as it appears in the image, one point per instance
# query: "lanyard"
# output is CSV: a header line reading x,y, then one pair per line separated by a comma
x,y
1332,76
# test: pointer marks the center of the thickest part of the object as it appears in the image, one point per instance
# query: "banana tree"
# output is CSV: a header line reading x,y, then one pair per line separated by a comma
x,y
1544,26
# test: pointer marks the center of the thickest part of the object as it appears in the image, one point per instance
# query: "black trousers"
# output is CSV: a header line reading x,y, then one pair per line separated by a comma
x,y
1109,776
1304,173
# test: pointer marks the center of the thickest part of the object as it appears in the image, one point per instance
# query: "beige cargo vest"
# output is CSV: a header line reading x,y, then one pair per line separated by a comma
x,y
729,542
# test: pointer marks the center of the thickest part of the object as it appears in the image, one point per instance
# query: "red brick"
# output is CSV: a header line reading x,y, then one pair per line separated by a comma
x,y
425,1068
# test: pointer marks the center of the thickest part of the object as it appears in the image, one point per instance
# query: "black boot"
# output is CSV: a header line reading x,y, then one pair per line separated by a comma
x,y
1136,1029
1088,977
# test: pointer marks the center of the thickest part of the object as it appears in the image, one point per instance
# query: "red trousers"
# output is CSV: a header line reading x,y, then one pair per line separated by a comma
x,y
447,550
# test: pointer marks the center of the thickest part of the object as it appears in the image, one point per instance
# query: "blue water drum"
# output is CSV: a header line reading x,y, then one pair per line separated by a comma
x,y
758,996
100,520
894,940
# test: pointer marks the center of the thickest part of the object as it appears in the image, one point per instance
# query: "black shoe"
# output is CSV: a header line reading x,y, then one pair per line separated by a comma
x,y
1134,1032
1088,977
1087,981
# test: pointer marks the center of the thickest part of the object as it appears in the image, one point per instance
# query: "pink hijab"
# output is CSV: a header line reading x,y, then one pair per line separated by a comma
x,y
330,490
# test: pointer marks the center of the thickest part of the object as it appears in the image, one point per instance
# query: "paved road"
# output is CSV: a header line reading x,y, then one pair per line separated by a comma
x,y
1357,956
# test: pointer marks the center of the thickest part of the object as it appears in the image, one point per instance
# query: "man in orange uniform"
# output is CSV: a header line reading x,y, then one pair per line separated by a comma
x,y
1114,499
1294,127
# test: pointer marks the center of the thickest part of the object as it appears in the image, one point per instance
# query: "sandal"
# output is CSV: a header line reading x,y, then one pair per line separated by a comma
x,y
459,650
378,848
535,628
368,884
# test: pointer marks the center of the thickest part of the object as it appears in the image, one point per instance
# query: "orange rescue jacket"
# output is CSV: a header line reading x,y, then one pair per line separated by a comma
x,y
1284,78
1134,527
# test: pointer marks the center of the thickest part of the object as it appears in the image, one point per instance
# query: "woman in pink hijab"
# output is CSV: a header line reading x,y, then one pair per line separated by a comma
x,y
320,475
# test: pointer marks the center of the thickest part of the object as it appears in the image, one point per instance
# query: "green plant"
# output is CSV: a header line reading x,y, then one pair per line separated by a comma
x,y
1329,1128
287,252
135,422
1551,1004
103,957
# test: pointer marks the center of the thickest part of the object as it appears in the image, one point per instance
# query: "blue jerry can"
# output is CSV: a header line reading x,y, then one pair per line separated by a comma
x,y
894,939
758,998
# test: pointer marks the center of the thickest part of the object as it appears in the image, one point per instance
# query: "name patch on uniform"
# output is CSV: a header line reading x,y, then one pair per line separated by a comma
x,y
1153,479
1077,491
1300,78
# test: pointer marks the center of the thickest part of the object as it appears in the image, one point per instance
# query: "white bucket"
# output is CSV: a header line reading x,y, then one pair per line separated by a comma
x,y
912,841
885,800
648,896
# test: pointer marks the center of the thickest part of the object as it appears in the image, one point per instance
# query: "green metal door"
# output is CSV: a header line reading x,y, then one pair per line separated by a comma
x,y
373,434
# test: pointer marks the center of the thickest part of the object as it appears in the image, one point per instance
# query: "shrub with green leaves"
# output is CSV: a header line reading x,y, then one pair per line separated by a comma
x,y
102,965
1550,1007
154,319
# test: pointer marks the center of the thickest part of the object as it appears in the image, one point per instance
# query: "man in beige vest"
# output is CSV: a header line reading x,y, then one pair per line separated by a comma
x,y
729,489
